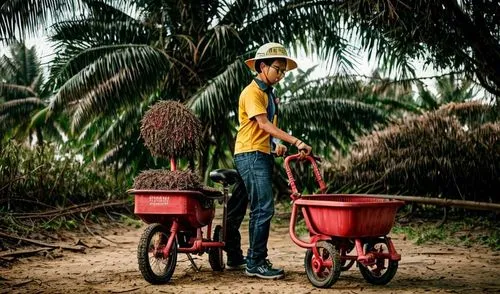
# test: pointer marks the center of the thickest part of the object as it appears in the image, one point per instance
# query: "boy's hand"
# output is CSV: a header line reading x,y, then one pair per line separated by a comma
x,y
304,149
280,149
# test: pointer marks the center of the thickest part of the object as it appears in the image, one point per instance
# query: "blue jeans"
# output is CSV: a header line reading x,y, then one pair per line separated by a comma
x,y
255,168
236,210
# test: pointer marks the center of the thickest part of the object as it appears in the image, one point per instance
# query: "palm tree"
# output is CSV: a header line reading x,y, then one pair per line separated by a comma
x,y
23,101
449,89
120,58
327,112
20,18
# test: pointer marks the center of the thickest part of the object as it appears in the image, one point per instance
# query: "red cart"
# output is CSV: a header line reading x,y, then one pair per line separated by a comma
x,y
177,221
344,229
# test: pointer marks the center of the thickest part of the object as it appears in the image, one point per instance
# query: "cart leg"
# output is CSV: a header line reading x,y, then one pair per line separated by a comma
x,y
171,238
361,253
193,264
392,250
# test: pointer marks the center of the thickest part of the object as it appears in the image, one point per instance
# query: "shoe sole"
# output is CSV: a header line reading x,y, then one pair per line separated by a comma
x,y
281,276
236,268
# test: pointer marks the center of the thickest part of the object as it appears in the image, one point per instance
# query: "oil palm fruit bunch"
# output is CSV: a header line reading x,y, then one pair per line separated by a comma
x,y
170,129
159,179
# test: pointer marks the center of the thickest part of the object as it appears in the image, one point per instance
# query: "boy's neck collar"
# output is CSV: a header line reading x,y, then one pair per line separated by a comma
x,y
262,85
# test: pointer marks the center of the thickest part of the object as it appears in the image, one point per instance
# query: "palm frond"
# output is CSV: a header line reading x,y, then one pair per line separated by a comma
x,y
235,12
343,118
13,90
22,67
8,68
97,32
21,106
73,60
218,98
113,131
20,18
112,80
43,120
427,99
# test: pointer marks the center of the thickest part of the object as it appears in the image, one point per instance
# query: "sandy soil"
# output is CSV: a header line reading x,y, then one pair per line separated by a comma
x,y
109,265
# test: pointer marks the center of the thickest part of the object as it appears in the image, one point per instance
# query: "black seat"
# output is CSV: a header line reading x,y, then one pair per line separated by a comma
x,y
225,176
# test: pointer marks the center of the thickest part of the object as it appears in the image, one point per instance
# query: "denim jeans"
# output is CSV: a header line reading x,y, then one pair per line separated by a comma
x,y
236,210
255,168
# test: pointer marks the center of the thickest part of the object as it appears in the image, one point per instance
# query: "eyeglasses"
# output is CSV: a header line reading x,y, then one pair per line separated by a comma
x,y
280,71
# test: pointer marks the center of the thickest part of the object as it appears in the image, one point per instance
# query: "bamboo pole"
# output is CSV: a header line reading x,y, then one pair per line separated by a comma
x,y
437,201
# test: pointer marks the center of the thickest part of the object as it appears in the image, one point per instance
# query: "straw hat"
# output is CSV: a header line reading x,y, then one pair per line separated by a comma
x,y
271,50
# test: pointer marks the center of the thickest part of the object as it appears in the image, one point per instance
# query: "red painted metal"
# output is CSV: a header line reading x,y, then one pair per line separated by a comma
x,y
296,239
184,213
393,255
173,165
173,233
161,206
341,217
348,216
316,172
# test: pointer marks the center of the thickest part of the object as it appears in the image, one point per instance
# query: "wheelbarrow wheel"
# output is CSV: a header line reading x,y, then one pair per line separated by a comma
x,y
325,271
156,268
215,254
382,270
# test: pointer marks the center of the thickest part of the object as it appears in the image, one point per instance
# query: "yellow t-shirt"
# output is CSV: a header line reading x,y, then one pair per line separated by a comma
x,y
253,101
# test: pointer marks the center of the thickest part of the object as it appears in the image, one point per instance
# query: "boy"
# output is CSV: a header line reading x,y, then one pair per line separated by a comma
x,y
254,142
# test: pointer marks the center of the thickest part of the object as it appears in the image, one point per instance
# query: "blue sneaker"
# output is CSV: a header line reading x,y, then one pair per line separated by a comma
x,y
269,264
236,265
265,271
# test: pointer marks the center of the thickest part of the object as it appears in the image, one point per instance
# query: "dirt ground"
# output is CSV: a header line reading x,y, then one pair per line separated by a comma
x,y
109,265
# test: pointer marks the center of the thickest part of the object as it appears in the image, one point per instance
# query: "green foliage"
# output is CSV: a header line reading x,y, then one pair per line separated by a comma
x,y
327,113
446,34
49,177
330,113
26,18
23,101
467,232
115,63
60,223
449,89
131,221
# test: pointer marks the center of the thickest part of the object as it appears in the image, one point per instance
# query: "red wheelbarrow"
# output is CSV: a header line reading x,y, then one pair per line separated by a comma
x,y
177,222
344,229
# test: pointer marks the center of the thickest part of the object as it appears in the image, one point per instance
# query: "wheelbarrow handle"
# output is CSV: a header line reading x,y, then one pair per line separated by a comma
x,y
315,157
291,179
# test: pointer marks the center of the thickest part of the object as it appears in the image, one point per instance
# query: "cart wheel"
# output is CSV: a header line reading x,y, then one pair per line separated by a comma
x,y
215,256
319,274
345,249
154,266
383,270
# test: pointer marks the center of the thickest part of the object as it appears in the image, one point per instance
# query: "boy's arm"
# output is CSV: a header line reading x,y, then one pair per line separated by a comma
x,y
274,131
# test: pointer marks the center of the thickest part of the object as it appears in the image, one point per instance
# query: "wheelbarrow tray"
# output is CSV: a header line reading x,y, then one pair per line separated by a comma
x,y
345,215
191,208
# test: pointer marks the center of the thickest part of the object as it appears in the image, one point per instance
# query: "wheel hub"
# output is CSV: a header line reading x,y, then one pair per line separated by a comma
x,y
317,264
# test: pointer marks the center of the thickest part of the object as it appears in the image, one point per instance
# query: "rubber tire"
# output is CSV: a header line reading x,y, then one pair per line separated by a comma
x,y
144,260
215,254
390,271
334,273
